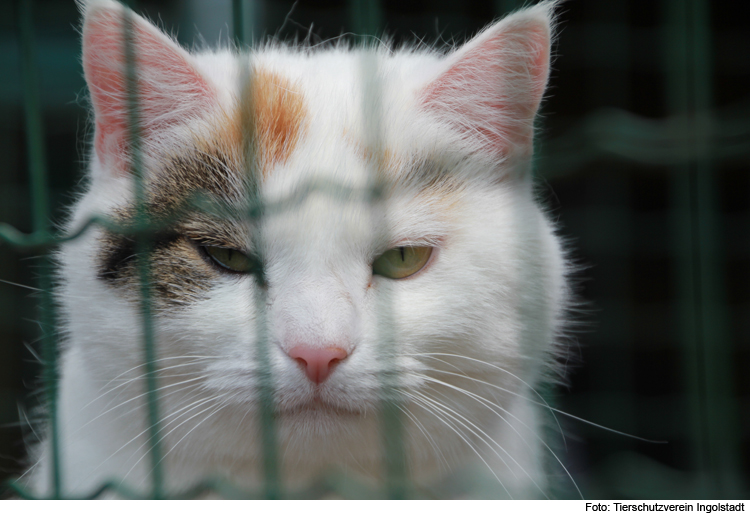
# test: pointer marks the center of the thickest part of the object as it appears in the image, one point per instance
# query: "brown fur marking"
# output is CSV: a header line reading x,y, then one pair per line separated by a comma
x,y
180,274
277,109
271,116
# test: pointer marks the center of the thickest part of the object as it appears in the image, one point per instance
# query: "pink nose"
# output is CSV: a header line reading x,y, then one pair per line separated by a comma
x,y
317,362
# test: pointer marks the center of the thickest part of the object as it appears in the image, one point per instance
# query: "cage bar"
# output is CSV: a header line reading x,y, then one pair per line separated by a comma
x,y
143,247
41,224
272,487
366,19
702,305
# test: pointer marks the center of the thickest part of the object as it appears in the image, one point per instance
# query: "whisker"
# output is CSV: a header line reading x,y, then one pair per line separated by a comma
x,y
477,431
489,404
137,396
165,435
137,378
427,435
628,435
509,373
21,285
160,369
33,352
181,410
544,403
221,405
465,440
503,389
167,395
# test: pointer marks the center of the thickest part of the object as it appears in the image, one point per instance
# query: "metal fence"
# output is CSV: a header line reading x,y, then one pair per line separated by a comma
x,y
644,161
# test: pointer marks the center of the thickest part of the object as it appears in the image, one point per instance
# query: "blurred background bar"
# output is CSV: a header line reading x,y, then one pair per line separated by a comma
x,y
644,151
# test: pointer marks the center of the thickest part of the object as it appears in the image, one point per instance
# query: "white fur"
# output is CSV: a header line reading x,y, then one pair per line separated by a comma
x,y
482,319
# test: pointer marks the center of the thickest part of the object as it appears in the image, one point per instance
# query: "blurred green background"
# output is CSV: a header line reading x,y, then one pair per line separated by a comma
x,y
644,157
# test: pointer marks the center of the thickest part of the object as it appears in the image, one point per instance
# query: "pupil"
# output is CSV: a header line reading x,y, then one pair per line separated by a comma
x,y
401,249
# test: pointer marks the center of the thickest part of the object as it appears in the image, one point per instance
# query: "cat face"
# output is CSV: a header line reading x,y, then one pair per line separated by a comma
x,y
342,227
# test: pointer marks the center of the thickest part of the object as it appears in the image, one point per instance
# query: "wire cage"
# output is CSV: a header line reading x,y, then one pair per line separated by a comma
x,y
643,159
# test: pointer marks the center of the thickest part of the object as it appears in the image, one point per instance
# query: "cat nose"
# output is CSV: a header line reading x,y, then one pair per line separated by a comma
x,y
317,361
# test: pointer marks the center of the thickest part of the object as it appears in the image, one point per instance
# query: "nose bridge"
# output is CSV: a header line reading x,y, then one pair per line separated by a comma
x,y
316,309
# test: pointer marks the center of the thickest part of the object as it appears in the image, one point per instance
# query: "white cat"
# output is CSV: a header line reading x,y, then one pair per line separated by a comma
x,y
401,258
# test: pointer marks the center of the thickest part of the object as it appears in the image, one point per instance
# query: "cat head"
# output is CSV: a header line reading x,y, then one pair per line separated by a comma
x,y
330,221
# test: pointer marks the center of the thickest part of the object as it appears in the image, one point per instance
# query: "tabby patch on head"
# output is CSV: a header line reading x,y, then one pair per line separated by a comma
x,y
269,121
180,272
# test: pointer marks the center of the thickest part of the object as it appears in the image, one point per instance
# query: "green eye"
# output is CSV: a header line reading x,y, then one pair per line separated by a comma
x,y
401,262
232,259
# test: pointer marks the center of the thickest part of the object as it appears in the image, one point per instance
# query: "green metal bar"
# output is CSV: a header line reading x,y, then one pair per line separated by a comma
x,y
201,203
41,223
269,441
272,488
612,373
367,22
367,19
562,485
247,21
272,480
503,7
238,22
703,312
143,246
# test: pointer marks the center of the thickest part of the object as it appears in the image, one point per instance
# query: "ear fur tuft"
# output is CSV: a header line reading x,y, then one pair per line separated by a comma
x,y
491,87
170,88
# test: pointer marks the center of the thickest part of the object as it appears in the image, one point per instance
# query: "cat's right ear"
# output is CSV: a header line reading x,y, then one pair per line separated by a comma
x,y
490,88
170,87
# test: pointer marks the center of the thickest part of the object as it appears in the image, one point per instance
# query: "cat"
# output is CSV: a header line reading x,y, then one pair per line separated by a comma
x,y
402,266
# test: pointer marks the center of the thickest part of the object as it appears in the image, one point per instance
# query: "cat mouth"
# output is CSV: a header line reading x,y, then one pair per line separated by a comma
x,y
317,407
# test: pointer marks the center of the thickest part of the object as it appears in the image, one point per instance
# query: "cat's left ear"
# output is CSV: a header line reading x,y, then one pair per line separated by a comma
x,y
490,89
171,90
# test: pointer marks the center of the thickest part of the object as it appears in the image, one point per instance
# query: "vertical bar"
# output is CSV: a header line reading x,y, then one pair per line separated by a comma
x,y
143,247
269,442
503,7
41,211
612,399
255,211
247,21
272,481
238,22
367,19
702,310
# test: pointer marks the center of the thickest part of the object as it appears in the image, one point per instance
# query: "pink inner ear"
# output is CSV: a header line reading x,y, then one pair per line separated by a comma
x,y
494,88
166,80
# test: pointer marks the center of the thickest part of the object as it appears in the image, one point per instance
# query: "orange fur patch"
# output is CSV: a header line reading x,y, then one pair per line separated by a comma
x,y
272,116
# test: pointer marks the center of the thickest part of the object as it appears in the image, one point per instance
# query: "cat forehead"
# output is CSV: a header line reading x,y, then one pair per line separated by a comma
x,y
310,127
336,69
332,99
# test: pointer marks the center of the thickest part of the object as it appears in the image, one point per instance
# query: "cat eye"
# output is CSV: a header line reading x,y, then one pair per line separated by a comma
x,y
401,262
232,259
